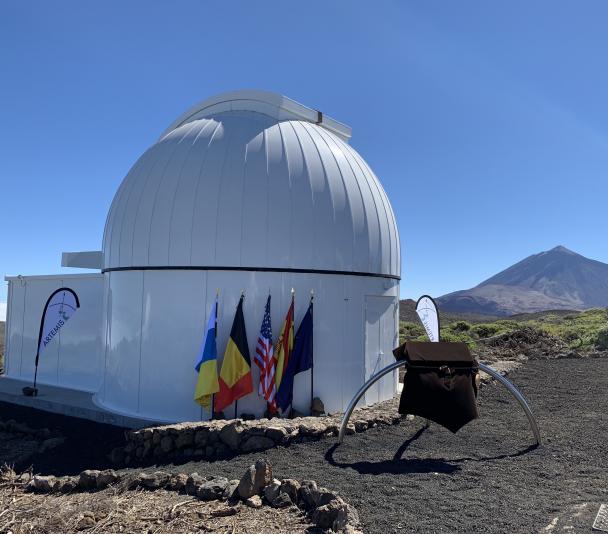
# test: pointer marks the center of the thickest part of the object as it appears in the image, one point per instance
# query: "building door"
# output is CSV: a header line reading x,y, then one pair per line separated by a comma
x,y
380,339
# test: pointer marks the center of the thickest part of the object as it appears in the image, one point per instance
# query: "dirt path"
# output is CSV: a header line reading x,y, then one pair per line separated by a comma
x,y
484,479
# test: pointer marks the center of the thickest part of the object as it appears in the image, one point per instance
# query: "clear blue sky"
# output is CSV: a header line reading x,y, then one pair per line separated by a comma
x,y
487,122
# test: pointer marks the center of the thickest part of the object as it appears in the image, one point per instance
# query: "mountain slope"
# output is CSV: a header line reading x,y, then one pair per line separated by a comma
x,y
556,279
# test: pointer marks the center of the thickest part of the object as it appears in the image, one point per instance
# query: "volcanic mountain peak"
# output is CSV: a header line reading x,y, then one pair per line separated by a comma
x,y
554,279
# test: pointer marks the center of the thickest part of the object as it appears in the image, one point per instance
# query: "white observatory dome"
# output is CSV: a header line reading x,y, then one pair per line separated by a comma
x,y
251,179
247,193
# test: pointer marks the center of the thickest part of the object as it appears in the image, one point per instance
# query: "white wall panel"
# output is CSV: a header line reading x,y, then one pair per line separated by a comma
x,y
14,332
81,342
122,358
167,363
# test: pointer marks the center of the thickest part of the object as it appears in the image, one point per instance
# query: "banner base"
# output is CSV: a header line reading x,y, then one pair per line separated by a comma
x,y
29,391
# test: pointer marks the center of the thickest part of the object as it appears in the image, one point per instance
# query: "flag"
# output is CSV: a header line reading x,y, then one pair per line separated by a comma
x,y
207,383
301,359
60,306
264,359
284,345
235,375
429,316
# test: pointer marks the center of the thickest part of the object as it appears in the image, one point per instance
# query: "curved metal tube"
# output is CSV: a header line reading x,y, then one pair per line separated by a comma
x,y
402,363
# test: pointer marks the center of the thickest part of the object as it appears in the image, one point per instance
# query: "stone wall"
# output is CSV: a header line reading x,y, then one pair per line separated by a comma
x,y
212,439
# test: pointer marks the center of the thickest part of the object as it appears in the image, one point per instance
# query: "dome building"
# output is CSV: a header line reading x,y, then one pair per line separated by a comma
x,y
247,192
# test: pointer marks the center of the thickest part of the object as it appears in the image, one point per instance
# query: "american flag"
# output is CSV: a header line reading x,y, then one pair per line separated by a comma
x,y
264,359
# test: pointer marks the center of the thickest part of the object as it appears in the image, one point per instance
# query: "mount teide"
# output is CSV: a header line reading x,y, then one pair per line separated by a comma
x,y
557,279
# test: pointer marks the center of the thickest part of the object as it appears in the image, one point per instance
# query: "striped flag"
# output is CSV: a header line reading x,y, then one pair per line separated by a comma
x,y
264,359
235,375
284,344
206,366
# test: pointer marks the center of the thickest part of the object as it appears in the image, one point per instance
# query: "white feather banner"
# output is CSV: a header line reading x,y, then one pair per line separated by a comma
x,y
429,316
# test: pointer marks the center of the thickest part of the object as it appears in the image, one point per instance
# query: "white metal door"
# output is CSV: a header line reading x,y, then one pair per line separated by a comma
x,y
379,340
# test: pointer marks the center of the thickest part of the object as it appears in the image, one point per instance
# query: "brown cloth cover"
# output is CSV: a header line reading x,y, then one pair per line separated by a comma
x,y
439,383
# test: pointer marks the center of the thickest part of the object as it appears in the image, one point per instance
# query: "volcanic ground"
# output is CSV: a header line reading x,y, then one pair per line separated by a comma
x,y
487,478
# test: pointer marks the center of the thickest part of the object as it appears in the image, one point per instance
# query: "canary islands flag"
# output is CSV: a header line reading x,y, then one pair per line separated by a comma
x,y
235,376
206,366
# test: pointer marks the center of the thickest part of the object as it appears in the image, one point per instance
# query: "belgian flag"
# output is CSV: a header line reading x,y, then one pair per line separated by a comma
x,y
235,375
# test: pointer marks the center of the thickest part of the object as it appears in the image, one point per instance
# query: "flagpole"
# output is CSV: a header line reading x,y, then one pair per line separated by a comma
x,y
217,295
312,366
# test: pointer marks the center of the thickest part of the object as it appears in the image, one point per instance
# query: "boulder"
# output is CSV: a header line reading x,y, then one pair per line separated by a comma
x,y
212,490
254,502
42,484
271,492
152,481
257,443
256,477
106,477
317,407
291,487
192,483
336,515
282,501
177,482
166,444
309,493
66,484
184,439
231,490
88,479
276,433
231,434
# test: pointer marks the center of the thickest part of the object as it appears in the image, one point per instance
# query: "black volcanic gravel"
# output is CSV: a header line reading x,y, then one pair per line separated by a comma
x,y
487,478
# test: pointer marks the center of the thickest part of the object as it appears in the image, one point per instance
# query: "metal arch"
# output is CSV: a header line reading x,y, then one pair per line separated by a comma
x,y
402,363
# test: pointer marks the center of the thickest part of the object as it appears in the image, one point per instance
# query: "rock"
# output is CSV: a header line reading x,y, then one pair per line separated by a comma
x,y
117,456
254,502
255,479
200,437
282,501
166,444
184,439
152,481
291,487
231,434
336,515
325,496
42,484
271,492
309,493
192,483
85,520
50,443
88,479
360,425
317,407
276,433
66,484
257,443
311,428
212,490
106,477
177,482
231,490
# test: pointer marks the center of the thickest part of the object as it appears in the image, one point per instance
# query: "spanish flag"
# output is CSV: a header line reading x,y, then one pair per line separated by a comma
x,y
284,345
235,375
206,366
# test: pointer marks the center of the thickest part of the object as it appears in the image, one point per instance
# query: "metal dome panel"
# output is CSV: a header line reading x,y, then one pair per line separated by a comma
x,y
227,186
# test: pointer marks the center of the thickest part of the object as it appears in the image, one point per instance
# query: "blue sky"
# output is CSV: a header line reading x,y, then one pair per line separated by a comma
x,y
485,121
